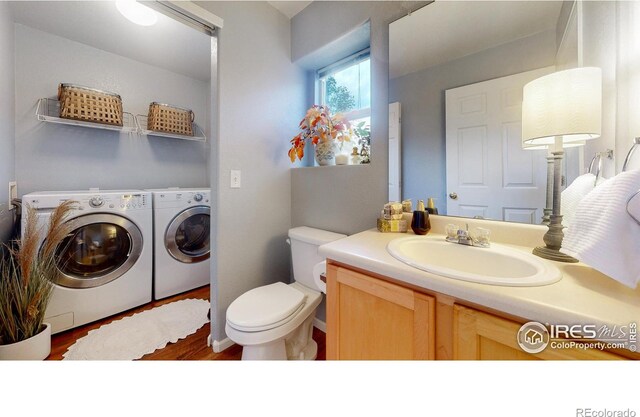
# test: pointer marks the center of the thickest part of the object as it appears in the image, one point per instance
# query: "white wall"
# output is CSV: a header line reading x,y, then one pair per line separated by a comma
x,y
261,99
59,157
567,37
7,111
599,49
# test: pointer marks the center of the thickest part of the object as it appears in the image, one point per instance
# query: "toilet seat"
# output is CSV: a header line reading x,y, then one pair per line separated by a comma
x,y
265,307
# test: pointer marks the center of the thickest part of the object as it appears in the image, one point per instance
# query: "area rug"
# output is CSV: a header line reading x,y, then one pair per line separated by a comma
x,y
135,336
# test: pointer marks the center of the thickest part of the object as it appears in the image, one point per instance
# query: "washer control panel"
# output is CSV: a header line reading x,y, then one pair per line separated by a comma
x,y
102,201
116,202
134,201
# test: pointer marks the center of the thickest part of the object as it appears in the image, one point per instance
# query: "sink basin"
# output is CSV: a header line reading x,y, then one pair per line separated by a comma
x,y
496,265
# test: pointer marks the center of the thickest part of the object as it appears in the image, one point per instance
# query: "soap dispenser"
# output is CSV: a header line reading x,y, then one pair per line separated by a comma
x,y
420,223
431,206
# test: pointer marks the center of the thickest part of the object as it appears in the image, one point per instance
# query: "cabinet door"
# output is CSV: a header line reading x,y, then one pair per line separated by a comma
x,y
368,318
482,336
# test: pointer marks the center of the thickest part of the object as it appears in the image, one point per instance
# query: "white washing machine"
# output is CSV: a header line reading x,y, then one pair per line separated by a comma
x,y
105,263
181,225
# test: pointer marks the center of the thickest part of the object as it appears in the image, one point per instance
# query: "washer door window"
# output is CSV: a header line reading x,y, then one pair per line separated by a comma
x,y
101,248
187,237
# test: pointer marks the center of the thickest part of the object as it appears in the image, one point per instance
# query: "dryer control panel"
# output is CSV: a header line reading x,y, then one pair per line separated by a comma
x,y
177,198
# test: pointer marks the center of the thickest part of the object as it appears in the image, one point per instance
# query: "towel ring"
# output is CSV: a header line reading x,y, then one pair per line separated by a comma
x,y
609,154
636,142
629,202
598,157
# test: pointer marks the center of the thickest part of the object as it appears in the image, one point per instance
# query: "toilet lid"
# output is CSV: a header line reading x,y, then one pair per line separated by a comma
x,y
264,307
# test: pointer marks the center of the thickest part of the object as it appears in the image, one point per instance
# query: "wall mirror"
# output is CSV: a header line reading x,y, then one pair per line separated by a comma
x,y
456,75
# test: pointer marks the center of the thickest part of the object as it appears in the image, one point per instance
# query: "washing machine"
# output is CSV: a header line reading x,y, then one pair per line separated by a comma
x,y
181,226
105,263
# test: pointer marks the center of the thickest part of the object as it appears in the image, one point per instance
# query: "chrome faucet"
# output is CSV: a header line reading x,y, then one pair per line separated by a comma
x,y
464,238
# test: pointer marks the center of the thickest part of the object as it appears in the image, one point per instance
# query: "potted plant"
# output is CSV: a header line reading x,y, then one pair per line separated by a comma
x,y
324,131
363,133
26,274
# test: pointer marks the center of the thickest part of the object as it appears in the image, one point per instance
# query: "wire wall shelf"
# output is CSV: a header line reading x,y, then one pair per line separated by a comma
x,y
48,110
198,134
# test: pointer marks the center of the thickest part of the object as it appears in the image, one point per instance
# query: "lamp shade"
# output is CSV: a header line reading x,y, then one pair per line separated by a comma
x,y
565,104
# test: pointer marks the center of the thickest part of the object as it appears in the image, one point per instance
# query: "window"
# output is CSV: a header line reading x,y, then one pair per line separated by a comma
x,y
345,87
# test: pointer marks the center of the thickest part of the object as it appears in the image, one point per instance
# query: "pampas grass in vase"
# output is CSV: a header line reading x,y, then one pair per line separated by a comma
x,y
26,275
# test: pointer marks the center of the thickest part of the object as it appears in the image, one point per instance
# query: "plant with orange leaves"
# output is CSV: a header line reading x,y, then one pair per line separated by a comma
x,y
319,126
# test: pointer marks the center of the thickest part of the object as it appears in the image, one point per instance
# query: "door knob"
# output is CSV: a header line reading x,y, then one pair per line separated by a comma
x,y
453,196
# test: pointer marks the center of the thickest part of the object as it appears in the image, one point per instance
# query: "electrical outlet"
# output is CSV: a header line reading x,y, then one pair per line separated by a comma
x,y
235,178
13,190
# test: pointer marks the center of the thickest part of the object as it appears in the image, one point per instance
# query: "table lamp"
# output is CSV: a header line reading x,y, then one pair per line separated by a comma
x,y
559,109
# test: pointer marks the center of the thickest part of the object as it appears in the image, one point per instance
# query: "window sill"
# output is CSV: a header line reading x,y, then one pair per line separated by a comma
x,y
332,166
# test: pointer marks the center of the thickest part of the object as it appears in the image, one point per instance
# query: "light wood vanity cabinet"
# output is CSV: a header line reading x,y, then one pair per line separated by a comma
x,y
371,318
482,336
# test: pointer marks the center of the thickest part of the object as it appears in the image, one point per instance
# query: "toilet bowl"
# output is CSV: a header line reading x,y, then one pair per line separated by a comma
x,y
276,321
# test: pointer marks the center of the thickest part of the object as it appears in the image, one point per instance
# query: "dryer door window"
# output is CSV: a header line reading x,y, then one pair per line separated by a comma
x,y
101,248
188,236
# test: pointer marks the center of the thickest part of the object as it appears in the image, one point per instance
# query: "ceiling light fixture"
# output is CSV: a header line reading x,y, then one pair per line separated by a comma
x,y
136,12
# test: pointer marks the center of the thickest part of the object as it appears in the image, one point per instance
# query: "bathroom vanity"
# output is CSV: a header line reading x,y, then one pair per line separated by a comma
x,y
381,308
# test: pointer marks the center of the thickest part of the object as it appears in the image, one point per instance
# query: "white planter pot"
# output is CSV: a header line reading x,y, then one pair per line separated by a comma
x,y
35,348
326,153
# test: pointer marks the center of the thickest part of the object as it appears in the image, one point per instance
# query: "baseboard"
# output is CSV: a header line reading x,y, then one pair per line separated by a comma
x,y
320,325
219,346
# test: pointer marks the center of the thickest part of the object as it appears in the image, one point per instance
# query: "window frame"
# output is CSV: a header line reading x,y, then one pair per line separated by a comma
x,y
323,73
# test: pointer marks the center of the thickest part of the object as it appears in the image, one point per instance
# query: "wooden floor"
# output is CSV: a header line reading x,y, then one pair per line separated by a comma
x,y
193,347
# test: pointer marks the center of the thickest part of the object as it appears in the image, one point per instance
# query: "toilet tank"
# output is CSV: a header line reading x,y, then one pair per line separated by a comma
x,y
304,252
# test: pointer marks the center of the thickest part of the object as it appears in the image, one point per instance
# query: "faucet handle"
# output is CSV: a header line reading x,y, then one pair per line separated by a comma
x,y
481,237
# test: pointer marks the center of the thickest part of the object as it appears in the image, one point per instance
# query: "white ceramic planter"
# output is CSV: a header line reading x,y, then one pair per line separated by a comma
x,y
326,153
35,348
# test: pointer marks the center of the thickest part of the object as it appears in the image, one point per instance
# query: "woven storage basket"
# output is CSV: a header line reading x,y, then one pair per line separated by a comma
x,y
89,104
170,119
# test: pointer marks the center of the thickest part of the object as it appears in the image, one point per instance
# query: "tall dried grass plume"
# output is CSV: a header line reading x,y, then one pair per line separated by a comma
x,y
27,272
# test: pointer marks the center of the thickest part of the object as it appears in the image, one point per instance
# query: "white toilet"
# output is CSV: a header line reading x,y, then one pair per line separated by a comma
x,y
276,321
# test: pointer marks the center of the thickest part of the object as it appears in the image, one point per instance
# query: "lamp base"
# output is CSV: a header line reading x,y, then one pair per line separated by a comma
x,y
546,218
554,255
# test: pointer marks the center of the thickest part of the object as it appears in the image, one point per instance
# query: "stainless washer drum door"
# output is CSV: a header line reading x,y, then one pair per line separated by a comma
x,y
100,249
188,235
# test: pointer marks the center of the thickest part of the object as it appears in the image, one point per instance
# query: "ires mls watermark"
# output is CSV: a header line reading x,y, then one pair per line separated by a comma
x,y
534,337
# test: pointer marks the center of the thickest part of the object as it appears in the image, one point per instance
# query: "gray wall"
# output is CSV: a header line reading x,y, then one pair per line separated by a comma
x,y
7,111
59,157
346,199
599,49
261,99
421,95
567,37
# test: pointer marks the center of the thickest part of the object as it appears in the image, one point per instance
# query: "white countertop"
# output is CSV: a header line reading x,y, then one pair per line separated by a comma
x,y
582,296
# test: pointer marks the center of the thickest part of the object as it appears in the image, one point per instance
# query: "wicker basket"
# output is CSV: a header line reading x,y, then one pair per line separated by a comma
x,y
170,119
89,104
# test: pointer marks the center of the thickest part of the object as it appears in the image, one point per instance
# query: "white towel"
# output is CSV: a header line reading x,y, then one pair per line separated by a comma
x,y
603,235
573,194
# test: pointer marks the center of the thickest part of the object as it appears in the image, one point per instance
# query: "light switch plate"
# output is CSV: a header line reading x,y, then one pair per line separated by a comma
x,y
235,178
13,190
